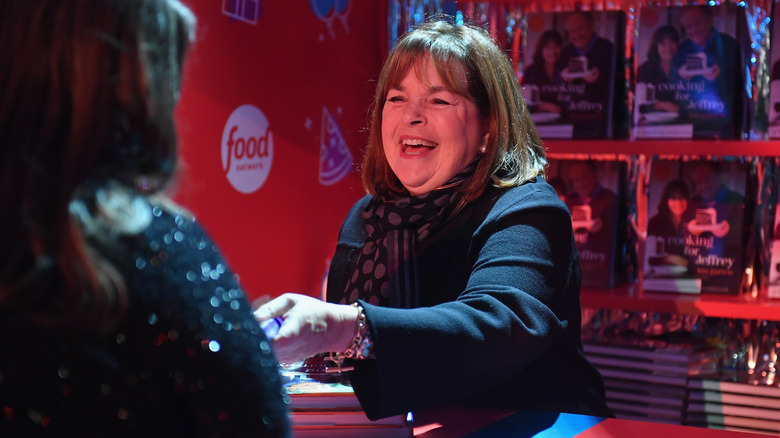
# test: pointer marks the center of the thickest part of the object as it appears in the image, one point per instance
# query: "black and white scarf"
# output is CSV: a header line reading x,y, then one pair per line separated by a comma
x,y
386,269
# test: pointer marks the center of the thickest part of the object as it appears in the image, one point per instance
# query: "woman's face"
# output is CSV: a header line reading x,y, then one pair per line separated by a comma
x,y
677,204
667,48
429,133
551,52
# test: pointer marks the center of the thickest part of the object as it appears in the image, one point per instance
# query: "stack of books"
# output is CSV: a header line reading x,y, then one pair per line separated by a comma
x,y
648,380
733,405
326,406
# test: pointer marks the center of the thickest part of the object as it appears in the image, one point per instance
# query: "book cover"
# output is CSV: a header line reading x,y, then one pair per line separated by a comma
x,y
774,74
696,231
573,78
312,394
690,79
773,286
594,192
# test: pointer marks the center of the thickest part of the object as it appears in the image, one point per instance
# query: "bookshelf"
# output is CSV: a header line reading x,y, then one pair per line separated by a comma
x,y
633,298
665,147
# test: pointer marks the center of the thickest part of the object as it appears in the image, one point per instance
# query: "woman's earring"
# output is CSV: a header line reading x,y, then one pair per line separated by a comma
x,y
483,149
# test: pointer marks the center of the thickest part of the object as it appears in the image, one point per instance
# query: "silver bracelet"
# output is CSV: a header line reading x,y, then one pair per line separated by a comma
x,y
361,347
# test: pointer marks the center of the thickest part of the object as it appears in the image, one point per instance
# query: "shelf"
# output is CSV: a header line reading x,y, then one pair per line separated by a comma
x,y
665,147
719,306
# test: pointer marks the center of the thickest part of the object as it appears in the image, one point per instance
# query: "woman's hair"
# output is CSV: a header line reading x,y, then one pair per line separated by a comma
x,y
673,187
660,34
514,152
86,125
548,36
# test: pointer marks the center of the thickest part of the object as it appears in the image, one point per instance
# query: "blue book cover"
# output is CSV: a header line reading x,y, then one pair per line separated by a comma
x,y
690,80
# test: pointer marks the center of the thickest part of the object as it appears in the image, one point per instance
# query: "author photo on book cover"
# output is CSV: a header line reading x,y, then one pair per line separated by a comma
x,y
657,75
707,60
455,281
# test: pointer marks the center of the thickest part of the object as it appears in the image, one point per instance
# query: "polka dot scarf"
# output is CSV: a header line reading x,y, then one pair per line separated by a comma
x,y
386,269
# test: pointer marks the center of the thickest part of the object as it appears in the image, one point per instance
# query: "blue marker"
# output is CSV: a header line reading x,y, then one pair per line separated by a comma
x,y
271,326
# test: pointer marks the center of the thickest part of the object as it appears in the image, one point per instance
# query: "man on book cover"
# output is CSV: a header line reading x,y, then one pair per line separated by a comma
x,y
597,50
589,62
594,215
705,58
717,224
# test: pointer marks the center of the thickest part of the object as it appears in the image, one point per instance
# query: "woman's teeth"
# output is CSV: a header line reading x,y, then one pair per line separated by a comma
x,y
417,144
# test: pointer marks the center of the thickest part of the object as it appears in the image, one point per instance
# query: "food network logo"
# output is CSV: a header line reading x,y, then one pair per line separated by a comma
x,y
247,149
247,11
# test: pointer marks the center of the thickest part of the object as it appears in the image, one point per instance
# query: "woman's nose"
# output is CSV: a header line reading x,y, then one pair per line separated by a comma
x,y
414,114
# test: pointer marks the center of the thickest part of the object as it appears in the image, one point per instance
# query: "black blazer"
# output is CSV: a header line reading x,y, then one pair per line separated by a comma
x,y
499,322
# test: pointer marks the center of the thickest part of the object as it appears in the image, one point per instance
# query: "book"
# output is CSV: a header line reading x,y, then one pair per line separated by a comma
x,y
731,422
714,383
698,227
655,352
773,277
594,193
322,419
324,404
774,75
733,410
690,77
312,394
734,399
574,76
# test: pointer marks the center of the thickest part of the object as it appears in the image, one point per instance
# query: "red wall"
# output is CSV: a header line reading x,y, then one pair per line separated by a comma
x,y
296,62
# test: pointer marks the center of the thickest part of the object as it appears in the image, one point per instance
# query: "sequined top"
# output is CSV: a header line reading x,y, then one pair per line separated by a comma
x,y
189,360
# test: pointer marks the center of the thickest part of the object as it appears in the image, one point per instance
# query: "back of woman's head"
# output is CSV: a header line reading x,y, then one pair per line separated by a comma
x,y
88,91
514,153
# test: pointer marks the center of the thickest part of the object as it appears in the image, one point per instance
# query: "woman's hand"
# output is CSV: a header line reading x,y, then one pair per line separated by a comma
x,y
310,326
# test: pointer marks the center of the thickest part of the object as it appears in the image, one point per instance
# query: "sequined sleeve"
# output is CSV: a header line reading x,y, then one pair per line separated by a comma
x,y
202,332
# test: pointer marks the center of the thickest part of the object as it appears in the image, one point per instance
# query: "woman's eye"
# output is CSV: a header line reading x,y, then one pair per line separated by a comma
x,y
395,99
440,102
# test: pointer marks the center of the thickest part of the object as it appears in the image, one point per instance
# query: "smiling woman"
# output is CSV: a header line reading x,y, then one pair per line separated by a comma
x,y
460,252
429,132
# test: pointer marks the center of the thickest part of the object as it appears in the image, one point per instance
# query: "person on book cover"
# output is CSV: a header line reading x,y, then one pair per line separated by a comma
x,y
596,232
713,197
659,70
599,52
713,77
670,225
559,184
774,95
456,280
545,72
775,74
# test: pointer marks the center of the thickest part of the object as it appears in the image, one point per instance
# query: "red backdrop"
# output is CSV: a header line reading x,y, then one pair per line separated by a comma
x,y
273,180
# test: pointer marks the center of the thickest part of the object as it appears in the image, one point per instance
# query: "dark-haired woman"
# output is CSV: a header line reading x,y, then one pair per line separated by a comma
x,y
118,316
